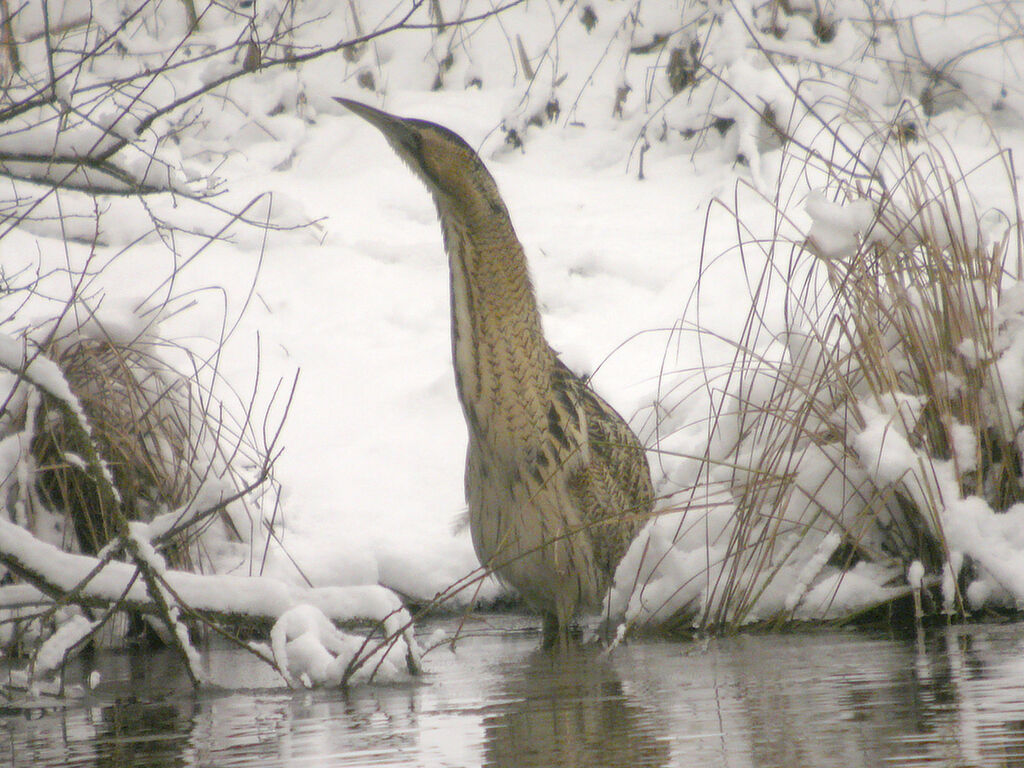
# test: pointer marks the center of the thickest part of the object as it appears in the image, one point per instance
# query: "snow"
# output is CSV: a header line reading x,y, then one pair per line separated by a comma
x,y
812,568
253,596
42,372
837,227
884,450
842,593
915,573
314,651
348,286
52,652
991,538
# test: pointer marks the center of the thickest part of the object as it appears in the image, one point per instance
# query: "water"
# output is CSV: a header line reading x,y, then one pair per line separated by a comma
x,y
836,698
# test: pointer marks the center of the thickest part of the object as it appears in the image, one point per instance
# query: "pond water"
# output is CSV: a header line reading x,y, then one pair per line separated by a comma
x,y
838,698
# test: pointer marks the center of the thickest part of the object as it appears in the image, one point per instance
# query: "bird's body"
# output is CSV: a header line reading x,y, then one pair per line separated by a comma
x,y
556,483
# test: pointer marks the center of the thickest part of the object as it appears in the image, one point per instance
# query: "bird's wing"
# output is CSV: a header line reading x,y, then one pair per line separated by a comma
x,y
613,488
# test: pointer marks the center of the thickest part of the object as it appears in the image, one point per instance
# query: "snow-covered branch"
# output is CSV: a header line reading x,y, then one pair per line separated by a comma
x,y
297,613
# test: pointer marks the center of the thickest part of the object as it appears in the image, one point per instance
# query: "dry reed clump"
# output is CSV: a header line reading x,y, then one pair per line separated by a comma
x,y
149,427
892,393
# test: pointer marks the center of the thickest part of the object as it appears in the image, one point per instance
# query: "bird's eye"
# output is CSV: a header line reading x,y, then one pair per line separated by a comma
x,y
412,142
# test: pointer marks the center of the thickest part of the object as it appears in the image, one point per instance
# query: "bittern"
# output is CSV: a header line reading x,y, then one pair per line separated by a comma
x,y
556,482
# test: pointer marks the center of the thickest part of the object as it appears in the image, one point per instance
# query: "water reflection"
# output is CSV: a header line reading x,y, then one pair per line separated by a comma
x,y
957,700
129,734
799,703
810,699
972,692
569,708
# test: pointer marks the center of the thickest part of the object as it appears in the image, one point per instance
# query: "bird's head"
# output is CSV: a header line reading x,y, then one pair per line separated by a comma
x,y
442,159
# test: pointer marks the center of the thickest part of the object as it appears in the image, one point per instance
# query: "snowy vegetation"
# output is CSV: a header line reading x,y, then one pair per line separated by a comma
x,y
827,229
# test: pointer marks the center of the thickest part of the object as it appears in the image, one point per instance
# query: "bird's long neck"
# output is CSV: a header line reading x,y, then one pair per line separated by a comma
x,y
503,364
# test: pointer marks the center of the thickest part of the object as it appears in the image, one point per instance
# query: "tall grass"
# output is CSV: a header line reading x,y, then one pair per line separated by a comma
x,y
838,436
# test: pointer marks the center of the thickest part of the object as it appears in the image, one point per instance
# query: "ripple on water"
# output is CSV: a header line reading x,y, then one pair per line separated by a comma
x,y
837,698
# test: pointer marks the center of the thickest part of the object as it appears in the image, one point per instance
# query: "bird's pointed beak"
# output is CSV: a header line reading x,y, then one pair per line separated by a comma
x,y
394,128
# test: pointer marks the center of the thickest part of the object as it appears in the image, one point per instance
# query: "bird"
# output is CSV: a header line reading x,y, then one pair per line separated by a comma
x,y
557,484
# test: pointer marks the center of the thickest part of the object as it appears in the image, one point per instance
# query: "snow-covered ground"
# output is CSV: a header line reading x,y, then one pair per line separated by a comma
x,y
357,302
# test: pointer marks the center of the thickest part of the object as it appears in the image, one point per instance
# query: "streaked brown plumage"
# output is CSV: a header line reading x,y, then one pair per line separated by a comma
x,y
556,482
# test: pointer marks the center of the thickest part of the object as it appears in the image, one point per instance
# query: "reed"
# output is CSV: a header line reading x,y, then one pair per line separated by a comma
x,y
838,436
